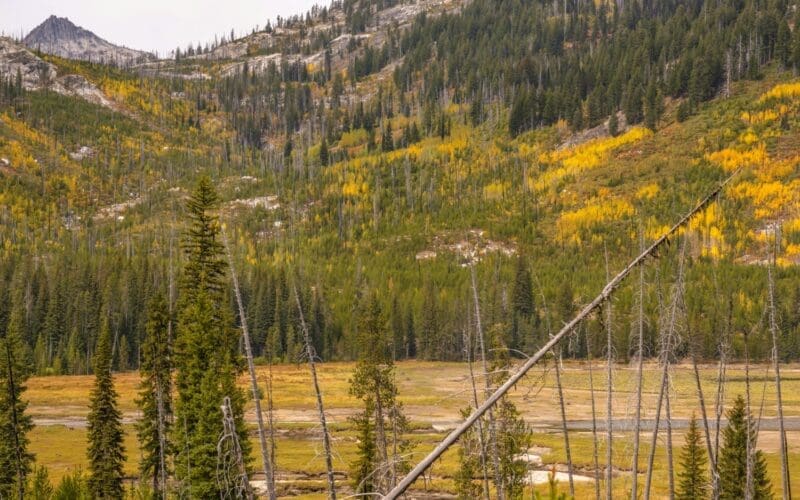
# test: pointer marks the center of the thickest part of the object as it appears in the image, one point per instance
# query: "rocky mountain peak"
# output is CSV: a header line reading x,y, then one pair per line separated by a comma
x,y
61,37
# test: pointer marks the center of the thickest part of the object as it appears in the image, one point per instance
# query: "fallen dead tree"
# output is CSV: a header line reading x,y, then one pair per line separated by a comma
x,y
587,310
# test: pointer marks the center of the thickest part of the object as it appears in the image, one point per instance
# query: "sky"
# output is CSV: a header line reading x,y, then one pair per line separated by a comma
x,y
151,25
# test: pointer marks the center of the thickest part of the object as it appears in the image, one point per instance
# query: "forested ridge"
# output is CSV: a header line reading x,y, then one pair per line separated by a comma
x,y
377,181
374,173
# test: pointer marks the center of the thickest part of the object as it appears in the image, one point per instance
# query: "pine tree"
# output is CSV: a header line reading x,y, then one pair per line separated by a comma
x,y
469,461
523,290
523,307
613,125
387,142
513,434
323,152
429,324
381,423
39,486
155,400
206,352
693,483
15,459
106,453
733,458
410,336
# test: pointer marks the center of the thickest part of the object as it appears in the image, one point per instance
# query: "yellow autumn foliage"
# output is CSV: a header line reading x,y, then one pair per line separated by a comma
x,y
598,211
781,91
647,192
731,159
761,117
496,190
769,199
584,157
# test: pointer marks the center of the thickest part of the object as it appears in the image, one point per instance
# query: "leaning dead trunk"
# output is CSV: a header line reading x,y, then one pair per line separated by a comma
x,y
773,327
488,388
669,339
266,456
326,440
564,429
481,444
639,379
595,452
609,393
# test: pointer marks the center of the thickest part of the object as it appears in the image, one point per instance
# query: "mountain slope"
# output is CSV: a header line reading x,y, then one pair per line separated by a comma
x,y
59,36
412,153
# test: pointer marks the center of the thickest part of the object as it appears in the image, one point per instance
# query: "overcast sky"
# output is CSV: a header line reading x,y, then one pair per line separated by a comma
x,y
152,25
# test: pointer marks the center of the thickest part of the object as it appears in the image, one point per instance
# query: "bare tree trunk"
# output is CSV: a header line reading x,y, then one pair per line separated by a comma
x,y
748,492
719,402
667,342
637,426
265,454
773,327
326,440
468,350
609,393
712,457
380,439
558,362
595,452
492,427
564,424
670,463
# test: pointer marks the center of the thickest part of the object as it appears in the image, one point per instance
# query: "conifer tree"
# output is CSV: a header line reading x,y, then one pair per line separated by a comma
x,y
410,337
733,458
693,482
323,152
106,452
513,434
155,399
206,356
613,124
429,324
381,424
524,317
15,459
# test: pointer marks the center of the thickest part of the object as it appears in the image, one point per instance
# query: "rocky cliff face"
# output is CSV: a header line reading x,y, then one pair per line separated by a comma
x,y
60,37
17,62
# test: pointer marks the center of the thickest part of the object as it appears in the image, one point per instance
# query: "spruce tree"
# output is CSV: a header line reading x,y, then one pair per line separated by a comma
x,y
693,483
323,152
15,459
733,458
205,353
155,401
106,453
513,434
381,424
613,125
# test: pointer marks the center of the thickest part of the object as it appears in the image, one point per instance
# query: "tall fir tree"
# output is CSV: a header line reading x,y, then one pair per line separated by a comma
x,y
524,320
206,352
733,458
693,483
381,424
512,433
155,395
15,459
106,452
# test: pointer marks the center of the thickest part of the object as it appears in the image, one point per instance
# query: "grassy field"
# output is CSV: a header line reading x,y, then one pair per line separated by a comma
x,y
432,394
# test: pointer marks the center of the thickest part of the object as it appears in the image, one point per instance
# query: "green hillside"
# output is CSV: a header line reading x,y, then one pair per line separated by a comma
x,y
468,134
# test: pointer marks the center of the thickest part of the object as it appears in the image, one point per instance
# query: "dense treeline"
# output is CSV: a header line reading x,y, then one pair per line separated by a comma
x,y
60,307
